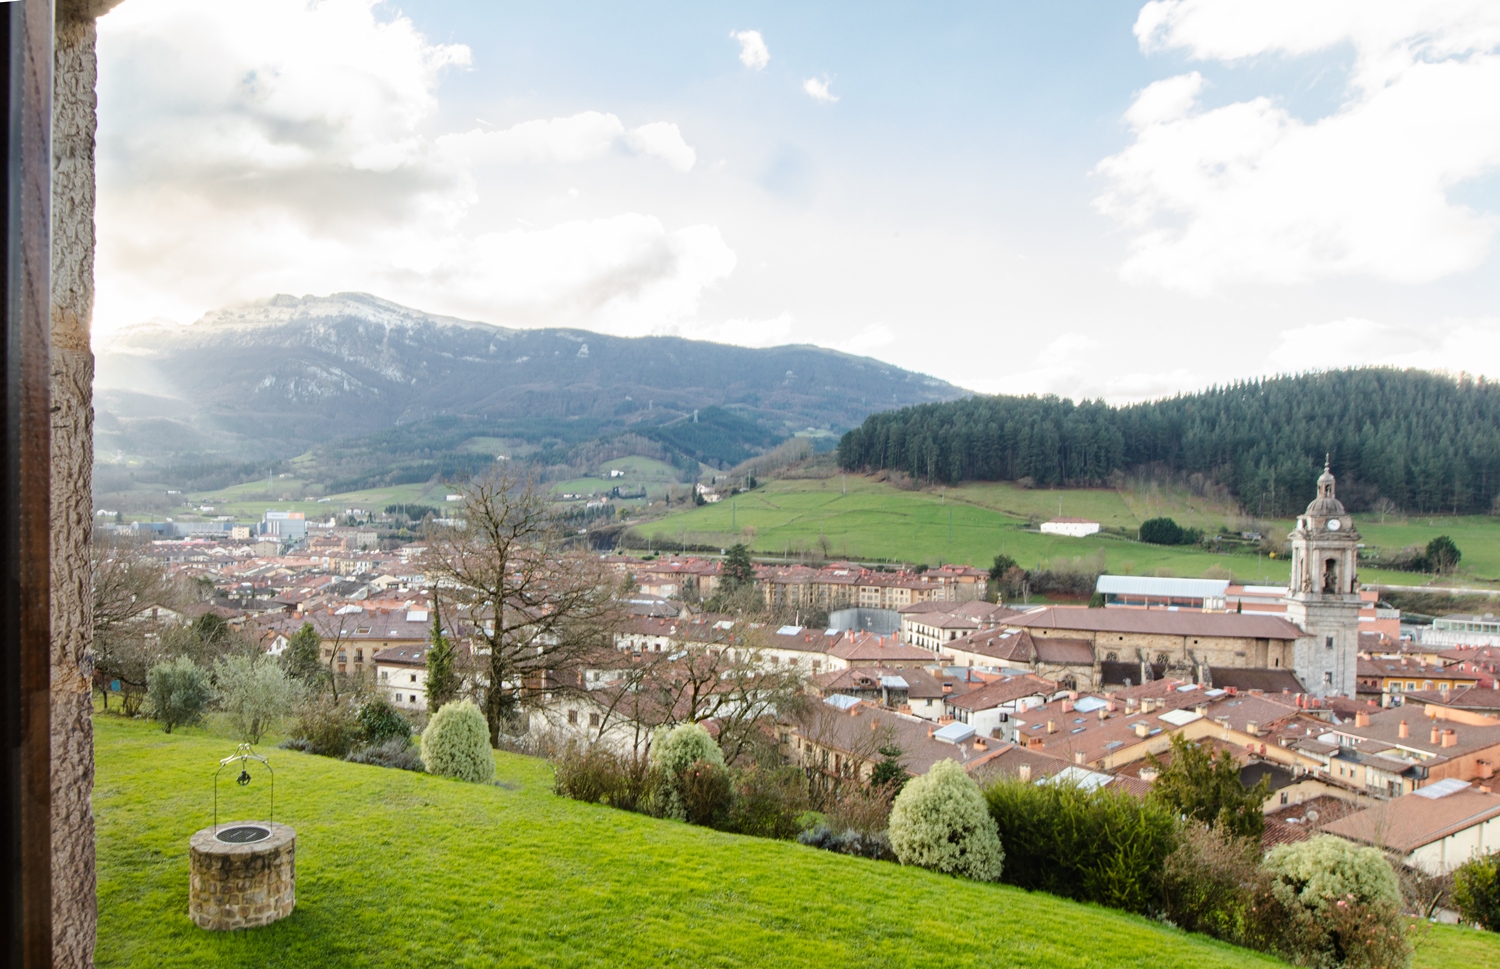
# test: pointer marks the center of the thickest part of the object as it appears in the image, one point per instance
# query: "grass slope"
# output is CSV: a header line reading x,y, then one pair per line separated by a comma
x,y
400,869
971,523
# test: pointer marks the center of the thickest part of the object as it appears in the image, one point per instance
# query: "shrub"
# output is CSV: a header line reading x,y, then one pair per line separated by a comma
x,y
325,726
378,722
939,821
588,773
707,794
1339,905
858,843
396,752
1476,891
677,748
769,802
1210,884
178,690
254,693
456,744
1161,531
1095,846
866,809
1318,873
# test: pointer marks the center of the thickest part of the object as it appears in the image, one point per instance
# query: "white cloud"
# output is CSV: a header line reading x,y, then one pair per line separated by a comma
x,y
661,139
817,89
773,332
249,147
754,53
1468,345
1247,192
581,137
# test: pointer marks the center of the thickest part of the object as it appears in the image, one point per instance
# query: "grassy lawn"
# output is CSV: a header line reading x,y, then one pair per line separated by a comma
x,y
972,522
400,869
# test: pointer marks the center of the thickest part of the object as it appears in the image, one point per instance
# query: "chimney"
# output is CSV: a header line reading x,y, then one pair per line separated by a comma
x,y
1450,738
979,744
874,725
1201,709
1130,702
1252,727
1435,734
1067,706
1149,774
1072,694
1403,731
854,710
1486,770
1052,726
930,731
1024,773
1361,719
1078,757
1110,706
1103,714
1142,729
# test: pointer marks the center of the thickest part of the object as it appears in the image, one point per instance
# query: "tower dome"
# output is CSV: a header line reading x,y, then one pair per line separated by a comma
x,y
1325,504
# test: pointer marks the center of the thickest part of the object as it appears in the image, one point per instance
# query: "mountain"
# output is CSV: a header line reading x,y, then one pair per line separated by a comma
x,y
1396,438
351,374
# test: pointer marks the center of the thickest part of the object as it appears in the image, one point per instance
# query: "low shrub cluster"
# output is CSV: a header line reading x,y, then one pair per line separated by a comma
x,y
1093,846
1476,891
397,752
686,779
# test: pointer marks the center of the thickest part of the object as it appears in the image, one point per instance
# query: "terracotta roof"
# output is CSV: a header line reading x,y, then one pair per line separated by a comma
x,y
1008,690
1063,652
1007,646
1299,822
1484,701
1265,680
1408,822
869,648
1159,621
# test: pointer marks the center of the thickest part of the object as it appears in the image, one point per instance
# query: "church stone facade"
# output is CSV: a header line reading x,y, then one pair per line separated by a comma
x,y
1323,597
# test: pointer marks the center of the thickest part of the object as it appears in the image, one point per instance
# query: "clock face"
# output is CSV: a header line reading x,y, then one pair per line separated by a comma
x,y
1334,524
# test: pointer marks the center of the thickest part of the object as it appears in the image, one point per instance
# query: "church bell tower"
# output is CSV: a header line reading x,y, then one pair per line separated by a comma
x,y
1323,597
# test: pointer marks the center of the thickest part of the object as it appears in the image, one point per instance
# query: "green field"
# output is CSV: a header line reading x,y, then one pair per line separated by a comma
x,y
402,869
857,517
249,501
655,476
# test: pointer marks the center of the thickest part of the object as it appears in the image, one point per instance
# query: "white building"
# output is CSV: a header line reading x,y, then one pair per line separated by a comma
x,y
1433,829
1071,527
401,674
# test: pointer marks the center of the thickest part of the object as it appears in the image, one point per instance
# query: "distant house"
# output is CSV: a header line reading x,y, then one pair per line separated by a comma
x,y
1434,829
1071,527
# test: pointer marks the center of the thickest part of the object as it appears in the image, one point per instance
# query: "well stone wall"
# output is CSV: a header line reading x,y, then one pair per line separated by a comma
x,y
241,886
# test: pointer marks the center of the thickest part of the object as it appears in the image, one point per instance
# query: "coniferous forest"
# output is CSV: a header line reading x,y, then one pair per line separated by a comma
x,y
1418,440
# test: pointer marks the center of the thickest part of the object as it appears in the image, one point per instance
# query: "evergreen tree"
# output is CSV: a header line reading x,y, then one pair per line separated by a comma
x,y
738,569
304,655
442,678
1202,787
1442,555
890,771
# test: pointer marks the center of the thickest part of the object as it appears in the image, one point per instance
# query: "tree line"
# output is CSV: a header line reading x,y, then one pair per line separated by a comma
x,y
1396,438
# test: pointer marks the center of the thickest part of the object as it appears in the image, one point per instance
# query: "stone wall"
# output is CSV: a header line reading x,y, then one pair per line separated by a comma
x,y
242,886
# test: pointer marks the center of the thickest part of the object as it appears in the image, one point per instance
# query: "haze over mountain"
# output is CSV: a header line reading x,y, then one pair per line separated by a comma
x,y
276,378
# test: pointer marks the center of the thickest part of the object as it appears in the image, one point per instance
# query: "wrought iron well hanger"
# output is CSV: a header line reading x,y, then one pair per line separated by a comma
x,y
243,754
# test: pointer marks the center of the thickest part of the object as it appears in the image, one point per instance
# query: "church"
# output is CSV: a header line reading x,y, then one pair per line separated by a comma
x,y
1312,648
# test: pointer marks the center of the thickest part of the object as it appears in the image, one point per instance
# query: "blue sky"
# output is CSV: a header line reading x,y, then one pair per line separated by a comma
x,y
1092,199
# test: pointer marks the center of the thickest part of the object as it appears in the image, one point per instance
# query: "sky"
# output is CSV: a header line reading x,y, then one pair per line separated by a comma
x,y
1093,199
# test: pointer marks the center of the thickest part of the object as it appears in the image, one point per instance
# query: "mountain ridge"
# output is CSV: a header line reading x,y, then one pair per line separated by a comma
x,y
270,379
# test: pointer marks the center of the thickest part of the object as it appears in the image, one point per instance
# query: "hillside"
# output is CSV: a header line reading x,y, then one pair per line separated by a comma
x,y
363,383
401,869
1404,438
856,516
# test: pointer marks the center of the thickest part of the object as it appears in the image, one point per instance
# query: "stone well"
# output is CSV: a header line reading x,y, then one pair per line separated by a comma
x,y
242,878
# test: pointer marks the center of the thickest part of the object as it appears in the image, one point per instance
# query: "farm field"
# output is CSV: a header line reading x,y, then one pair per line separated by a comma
x,y
971,523
402,869
655,476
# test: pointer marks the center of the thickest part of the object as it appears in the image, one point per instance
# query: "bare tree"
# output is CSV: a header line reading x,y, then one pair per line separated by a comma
x,y
732,682
536,607
126,638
